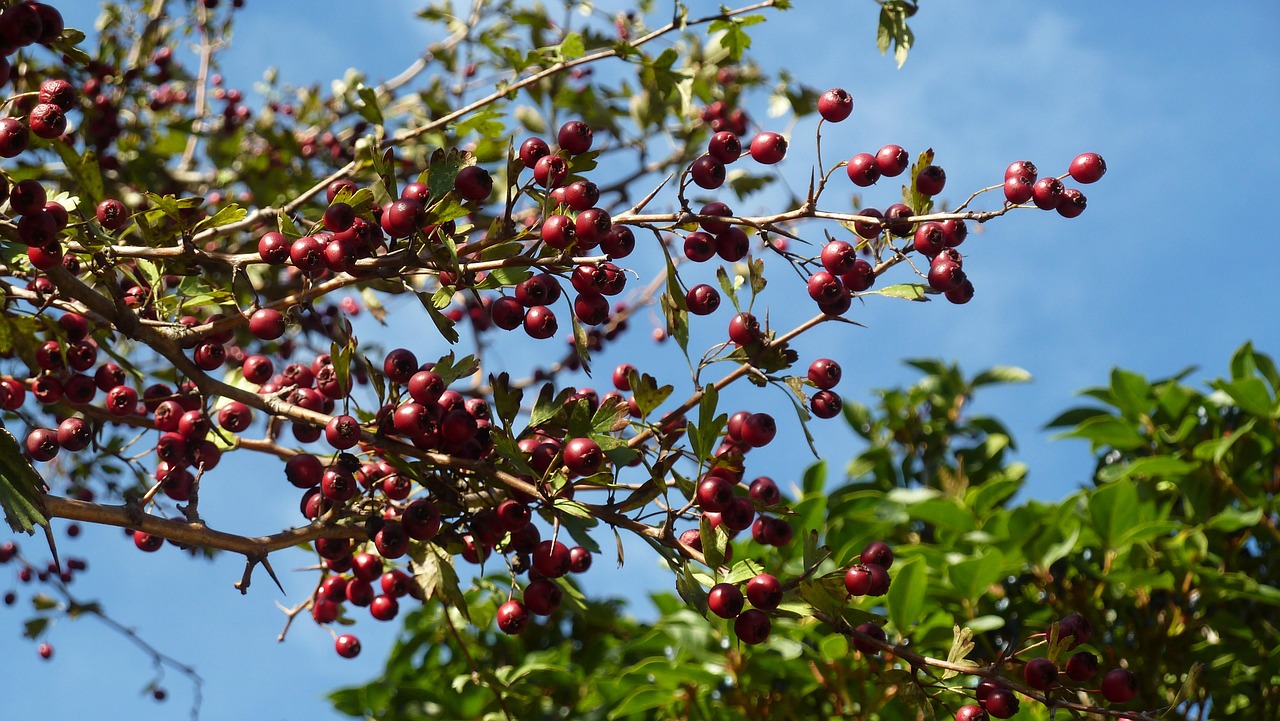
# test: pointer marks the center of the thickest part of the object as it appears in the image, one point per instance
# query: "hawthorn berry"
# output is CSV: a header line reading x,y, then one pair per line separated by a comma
x,y
542,596
768,148
725,600
1001,703
835,105
347,646
892,160
752,626
574,137
1040,674
707,172
513,616
863,170
725,147
764,591
875,632
1082,666
1119,685
1087,168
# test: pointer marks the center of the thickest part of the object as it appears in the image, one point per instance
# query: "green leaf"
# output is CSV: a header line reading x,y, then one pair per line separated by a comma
x,y
974,576
35,627
1107,431
1130,391
1150,467
506,399
441,171
572,47
648,395
231,213
1250,394
906,291
1231,520
368,105
961,646
20,487
1075,416
907,592
1113,508
1001,374
433,571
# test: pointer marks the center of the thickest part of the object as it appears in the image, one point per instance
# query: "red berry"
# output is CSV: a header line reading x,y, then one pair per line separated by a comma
x,y
575,137
971,713
1001,703
744,329
1119,685
868,629
47,121
542,596
752,626
764,591
113,215
1046,192
707,172
1071,203
347,646
725,147
45,650
835,105
1082,666
384,608
892,160
1017,190
838,257
1024,169
473,183
763,489
1088,168
512,617
879,553
550,171
551,559
863,170
759,429
931,180
533,150
266,324
725,600
1040,674
768,148
583,457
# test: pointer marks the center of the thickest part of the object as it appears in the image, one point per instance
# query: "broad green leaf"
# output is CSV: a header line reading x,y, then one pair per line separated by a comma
x,y
974,576
1001,374
20,487
907,291
1113,508
907,593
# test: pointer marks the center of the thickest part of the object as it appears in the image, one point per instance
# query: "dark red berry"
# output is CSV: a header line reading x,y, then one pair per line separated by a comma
x,y
1119,685
768,148
892,160
835,105
725,600
863,170
347,646
1088,168
752,626
1040,674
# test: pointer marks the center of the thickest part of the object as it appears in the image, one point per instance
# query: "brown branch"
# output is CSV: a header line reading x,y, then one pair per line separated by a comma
x,y
192,534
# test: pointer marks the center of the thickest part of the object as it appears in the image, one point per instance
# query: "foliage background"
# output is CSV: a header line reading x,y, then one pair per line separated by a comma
x,y
1153,277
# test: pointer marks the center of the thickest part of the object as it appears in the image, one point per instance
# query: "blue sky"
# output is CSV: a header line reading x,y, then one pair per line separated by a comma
x,y
1166,269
